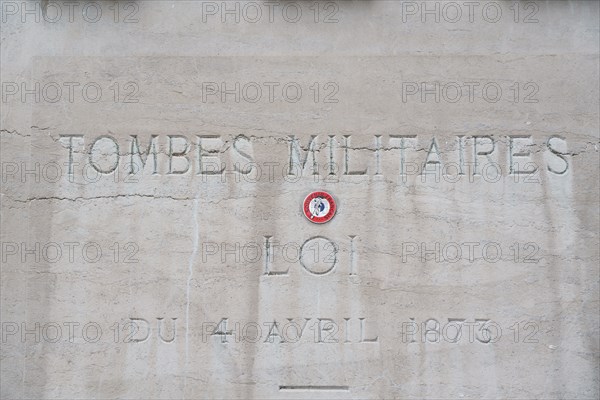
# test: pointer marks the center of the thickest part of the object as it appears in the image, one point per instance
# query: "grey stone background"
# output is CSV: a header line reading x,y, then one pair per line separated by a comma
x,y
423,119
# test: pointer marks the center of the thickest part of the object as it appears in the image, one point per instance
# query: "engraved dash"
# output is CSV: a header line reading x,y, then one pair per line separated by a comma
x,y
313,388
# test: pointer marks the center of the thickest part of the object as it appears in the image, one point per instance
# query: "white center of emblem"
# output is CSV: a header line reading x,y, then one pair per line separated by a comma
x,y
319,207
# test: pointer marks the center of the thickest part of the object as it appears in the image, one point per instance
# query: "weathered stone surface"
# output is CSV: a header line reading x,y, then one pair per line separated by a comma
x,y
133,267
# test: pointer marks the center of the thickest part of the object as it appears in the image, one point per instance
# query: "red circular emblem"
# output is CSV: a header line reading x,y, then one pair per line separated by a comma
x,y
319,207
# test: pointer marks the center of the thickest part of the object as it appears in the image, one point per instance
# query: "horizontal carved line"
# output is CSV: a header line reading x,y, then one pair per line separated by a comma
x,y
313,387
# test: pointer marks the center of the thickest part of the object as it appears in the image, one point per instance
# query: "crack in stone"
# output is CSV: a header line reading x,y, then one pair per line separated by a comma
x,y
74,199
118,196
13,132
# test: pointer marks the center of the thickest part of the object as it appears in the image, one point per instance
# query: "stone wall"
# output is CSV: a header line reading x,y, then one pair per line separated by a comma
x,y
156,157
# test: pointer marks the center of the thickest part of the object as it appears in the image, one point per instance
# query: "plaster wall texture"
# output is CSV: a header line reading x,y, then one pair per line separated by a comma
x,y
155,159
